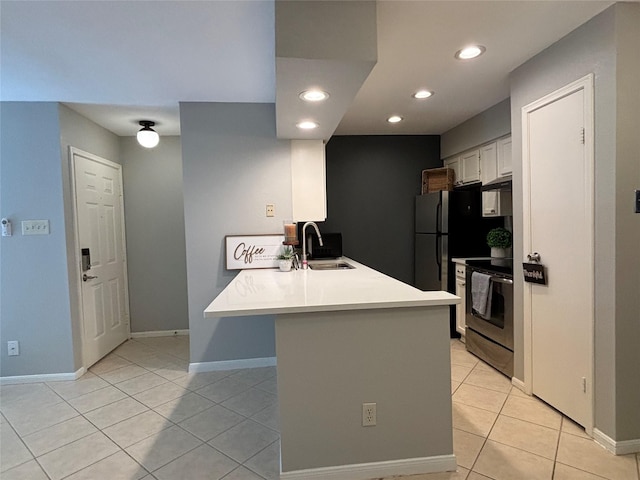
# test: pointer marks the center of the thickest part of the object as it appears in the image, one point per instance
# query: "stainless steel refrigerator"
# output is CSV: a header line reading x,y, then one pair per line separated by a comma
x,y
432,241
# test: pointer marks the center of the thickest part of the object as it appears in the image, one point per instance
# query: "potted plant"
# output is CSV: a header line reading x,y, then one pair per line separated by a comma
x,y
499,239
286,258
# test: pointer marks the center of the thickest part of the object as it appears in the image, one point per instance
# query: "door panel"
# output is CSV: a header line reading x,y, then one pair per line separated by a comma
x,y
98,188
560,230
427,273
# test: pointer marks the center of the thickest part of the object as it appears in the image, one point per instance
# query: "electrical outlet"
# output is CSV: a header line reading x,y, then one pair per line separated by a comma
x,y
369,415
13,348
271,210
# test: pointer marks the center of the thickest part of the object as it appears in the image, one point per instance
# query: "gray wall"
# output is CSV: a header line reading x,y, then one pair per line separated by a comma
x,y
627,223
484,127
592,49
35,306
154,219
372,182
79,132
38,305
233,165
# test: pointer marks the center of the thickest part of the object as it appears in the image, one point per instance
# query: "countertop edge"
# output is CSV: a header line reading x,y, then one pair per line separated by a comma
x,y
450,299
415,299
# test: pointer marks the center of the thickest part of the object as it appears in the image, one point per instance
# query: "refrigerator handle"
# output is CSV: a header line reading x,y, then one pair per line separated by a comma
x,y
439,255
439,218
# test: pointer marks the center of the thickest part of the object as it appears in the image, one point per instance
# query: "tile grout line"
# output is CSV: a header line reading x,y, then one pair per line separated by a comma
x,y
121,449
183,429
101,430
486,439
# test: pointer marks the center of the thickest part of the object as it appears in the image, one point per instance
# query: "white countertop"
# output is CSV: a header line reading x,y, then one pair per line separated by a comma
x,y
270,291
464,260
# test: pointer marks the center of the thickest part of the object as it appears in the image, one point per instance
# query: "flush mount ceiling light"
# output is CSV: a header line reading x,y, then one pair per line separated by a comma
x,y
147,136
307,125
394,119
472,51
420,94
314,95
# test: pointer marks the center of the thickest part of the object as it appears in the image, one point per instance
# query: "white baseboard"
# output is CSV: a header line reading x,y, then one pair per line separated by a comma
x,y
364,471
47,377
519,384
201,367
618,448
159,333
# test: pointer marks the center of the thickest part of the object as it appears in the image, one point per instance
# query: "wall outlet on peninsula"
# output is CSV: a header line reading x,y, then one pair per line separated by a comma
x,y
369,415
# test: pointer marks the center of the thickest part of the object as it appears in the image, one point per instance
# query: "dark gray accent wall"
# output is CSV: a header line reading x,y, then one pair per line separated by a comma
x,y
372,181
154,218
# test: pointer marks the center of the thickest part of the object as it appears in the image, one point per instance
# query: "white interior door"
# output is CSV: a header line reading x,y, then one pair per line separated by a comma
x,y
558,218
100,228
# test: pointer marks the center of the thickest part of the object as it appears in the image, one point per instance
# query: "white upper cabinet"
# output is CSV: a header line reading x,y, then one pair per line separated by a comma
x,y
488,162
466,167
470,163
504,156
454,164
482,164
495,204
308,180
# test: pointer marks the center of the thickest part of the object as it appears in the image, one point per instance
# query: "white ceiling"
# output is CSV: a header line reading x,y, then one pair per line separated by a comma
x,y
118,62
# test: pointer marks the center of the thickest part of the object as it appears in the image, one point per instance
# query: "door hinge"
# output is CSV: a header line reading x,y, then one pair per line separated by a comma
x,y
582,136
584,384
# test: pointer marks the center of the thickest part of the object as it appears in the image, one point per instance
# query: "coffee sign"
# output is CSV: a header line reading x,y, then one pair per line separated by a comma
x,y
253,251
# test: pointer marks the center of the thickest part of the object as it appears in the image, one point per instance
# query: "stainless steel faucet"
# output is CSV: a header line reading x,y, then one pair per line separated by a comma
x,y
304,242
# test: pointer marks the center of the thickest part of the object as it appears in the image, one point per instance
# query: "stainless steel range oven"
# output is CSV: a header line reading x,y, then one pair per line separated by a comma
x,y
490,336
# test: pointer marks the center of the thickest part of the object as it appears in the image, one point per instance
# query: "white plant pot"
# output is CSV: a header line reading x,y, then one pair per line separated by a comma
x,y
498,252
284,265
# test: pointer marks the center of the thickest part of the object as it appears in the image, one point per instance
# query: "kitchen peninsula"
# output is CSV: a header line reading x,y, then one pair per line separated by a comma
x,y
345,338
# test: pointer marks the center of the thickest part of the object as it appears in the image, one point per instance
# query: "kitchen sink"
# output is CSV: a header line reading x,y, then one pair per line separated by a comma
x,y
331,266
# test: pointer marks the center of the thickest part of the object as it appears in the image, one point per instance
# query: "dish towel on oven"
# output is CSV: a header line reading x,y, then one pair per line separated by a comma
x,y
481,294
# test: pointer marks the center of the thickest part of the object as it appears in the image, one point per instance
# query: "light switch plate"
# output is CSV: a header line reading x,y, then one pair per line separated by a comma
x,y
35,227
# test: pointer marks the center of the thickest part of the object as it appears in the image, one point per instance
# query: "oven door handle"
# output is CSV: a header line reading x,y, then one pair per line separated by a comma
x,y
502,280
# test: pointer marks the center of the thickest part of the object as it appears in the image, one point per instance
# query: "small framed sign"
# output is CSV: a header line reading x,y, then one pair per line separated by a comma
x,y
534,273
252,251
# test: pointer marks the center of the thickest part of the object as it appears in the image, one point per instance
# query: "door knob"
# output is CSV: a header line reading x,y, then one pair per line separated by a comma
x,y
86,277
534,257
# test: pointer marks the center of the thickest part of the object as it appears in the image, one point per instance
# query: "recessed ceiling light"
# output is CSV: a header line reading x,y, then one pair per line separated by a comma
x,y
472,51
314,95
394,119
422,94
307,125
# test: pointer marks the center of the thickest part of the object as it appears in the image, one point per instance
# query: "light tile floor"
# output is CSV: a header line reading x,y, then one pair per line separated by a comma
x,y
137,414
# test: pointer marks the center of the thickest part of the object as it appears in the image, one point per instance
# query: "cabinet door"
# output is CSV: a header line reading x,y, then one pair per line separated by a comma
x,y
470,166
488,163
504,156
309,200
454,164
461,324
490,204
